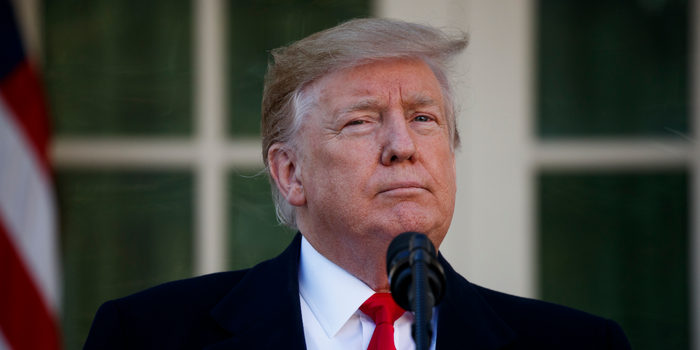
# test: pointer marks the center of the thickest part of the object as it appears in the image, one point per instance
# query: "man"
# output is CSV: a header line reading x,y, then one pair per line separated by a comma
x,y
359,137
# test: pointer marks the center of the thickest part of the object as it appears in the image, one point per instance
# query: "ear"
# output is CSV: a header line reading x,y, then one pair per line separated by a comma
x,y
285,170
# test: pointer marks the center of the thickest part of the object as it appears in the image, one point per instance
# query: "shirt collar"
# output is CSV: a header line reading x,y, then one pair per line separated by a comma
x,y
333,294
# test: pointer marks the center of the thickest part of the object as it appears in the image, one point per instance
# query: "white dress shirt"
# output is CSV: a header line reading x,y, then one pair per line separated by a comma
x,y
330,302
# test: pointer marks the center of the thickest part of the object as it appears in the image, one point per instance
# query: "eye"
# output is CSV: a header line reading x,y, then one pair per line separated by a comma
x,y
356,122
422,118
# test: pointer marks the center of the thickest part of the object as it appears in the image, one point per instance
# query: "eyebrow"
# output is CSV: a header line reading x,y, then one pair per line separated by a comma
x,y
363,105
421,99
415,99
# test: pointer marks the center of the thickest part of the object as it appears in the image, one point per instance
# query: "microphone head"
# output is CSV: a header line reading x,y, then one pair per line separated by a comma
x,y
400,244
398,266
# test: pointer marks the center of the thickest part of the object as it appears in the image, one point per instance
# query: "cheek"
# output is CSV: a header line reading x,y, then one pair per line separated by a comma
x,y
441,160
347,156
341,169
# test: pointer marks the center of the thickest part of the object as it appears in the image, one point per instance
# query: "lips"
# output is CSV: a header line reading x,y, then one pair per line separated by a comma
x,y
400,186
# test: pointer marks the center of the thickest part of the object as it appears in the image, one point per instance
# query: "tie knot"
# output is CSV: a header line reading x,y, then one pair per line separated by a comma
x,y
382,308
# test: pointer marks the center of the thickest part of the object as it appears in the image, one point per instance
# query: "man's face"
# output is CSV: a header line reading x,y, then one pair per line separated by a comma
x,y
375,157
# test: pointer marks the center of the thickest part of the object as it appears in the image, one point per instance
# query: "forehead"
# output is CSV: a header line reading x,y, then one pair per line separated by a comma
x,y
377,84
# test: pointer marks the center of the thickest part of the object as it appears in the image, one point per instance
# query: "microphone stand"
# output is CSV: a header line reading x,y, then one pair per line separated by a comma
x,y
417,281
422,299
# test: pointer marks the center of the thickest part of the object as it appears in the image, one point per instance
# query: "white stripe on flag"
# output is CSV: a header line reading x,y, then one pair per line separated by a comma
x,y
27,207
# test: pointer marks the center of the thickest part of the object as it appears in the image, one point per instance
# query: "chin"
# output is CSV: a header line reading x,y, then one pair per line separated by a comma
x,y
413,217
397,225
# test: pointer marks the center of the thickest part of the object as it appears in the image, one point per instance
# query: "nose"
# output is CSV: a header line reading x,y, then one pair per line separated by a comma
x,y
398,143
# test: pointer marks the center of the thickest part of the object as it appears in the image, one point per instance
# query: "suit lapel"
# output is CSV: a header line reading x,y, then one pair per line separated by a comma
x,y
263,310
465,320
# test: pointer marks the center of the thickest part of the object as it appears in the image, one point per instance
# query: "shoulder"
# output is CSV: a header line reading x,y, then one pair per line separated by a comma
x,y
514,309
546,324
178,307
197,312
200,291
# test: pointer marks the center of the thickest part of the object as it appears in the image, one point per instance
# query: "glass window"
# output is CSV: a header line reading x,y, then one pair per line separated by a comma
x,y
615,245
613,68
255,28
119,67
255,235
121,232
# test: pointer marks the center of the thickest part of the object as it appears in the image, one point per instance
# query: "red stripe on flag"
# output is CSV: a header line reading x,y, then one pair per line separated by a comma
x,y
25,98
24,318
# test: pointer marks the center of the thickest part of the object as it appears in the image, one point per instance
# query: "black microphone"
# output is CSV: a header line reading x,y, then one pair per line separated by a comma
x,y
417,281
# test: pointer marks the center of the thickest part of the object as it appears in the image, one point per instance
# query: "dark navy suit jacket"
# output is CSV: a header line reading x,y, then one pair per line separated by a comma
x,y
259,308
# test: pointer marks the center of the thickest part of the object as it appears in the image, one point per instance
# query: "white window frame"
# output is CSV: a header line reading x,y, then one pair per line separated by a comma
x,y
209,154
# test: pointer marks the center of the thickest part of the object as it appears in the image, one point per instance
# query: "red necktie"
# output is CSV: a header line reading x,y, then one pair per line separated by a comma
x,y
384,312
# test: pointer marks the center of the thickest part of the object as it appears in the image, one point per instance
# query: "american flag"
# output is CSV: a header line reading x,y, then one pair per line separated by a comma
x,y
29,269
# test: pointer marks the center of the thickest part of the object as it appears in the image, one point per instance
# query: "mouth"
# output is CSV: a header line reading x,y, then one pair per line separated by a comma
x,y
403,187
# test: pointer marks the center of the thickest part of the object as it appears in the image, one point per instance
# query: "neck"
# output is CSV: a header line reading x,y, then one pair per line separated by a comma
x,y
367,264
365,260
362,254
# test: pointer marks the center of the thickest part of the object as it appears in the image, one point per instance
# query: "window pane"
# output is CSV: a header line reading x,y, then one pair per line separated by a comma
x,y
613,68
119,67
615,245
255,234
121,233
255,28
